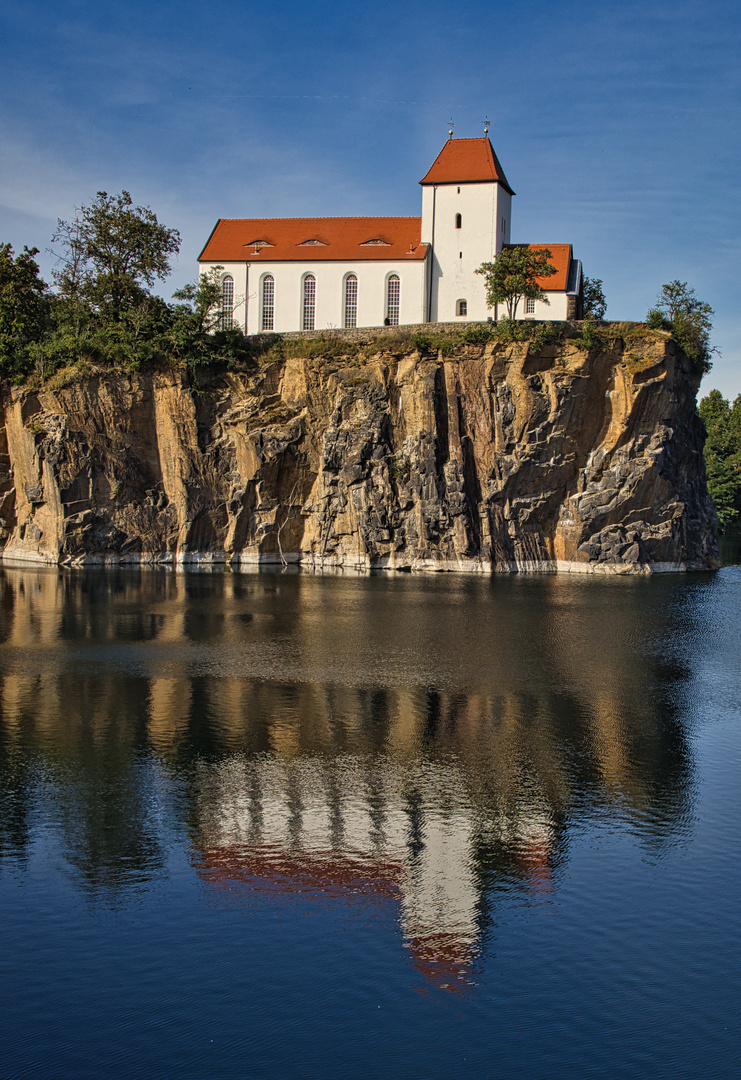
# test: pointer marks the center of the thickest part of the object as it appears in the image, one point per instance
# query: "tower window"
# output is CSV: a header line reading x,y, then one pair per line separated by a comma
x,y
393,296
458,221
226,318
461,307
268,303
351,300
309,304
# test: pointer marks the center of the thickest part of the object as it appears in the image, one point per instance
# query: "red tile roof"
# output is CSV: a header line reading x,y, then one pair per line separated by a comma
x,y
466,161
289,239
560,258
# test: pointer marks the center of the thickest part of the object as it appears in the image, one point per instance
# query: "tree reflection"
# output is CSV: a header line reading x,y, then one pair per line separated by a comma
x,y
429,742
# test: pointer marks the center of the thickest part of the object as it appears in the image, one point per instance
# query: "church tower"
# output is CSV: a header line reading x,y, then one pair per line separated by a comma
x,y
466,214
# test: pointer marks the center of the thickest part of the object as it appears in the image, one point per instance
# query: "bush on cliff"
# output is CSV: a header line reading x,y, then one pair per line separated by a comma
x,y
688,319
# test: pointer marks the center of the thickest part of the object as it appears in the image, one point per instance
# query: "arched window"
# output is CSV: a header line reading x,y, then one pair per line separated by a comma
x,y
458,221
268,303
461,307
351,300
226,318
393,294
309,302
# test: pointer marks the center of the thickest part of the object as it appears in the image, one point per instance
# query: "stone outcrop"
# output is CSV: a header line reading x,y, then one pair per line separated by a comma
x,y
497,457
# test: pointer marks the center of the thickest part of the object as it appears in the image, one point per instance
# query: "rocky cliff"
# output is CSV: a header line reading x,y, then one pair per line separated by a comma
x,y
495,457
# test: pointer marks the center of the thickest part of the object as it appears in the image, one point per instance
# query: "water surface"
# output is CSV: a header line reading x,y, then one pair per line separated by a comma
x,y
278,825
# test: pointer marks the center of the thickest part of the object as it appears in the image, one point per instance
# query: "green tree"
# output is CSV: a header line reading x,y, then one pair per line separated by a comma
x,y
111,254
595,305
196,335
689,319
723,454
515,275
23,307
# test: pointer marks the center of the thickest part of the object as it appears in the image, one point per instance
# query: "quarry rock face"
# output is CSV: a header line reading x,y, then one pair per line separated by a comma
x,y
494,458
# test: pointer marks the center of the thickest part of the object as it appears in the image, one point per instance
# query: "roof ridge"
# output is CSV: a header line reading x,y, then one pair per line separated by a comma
x,y
334,217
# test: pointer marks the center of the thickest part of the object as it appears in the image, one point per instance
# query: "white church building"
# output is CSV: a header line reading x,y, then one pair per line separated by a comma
x,y
284,274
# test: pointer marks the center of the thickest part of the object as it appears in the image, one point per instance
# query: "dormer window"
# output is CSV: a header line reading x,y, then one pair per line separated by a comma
x,y
458,221
376,242
313,243
259,244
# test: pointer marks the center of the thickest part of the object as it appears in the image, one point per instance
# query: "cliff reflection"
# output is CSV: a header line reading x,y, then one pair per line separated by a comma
x,y
421,743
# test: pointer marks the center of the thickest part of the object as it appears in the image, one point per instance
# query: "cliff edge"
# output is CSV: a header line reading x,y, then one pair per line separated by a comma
x,y
493,458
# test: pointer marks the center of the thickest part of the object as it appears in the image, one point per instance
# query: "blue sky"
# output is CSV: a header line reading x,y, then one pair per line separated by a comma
x,y
618,124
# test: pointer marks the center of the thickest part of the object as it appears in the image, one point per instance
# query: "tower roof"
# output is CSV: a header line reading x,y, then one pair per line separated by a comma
x,y
467,161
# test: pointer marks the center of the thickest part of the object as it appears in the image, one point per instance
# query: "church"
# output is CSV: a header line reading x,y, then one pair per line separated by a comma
x,y
285,274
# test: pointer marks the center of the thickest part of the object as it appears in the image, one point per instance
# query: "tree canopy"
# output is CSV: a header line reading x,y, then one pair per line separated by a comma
x,y
514,276
595,305
110,252
723,454
689,319
22,305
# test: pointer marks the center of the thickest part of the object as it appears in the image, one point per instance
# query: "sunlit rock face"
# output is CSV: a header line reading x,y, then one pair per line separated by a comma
x,y
495,458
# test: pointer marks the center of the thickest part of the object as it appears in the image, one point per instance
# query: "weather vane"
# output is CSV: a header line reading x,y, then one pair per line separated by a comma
x,y
452,125
487,125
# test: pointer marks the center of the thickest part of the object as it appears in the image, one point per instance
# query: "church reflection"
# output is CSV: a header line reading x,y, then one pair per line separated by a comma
x,y
422,745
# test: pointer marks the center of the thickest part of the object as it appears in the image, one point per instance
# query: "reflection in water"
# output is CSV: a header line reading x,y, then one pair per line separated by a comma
x,y
427,744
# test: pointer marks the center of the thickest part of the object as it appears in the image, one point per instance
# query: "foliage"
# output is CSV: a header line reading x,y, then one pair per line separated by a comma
x,y
23,308
595,305
515,275
477,333
723,453
689,320
111,253
427,342
538,333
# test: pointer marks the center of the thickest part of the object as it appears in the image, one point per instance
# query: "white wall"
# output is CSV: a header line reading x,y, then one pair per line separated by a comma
x,y
484,209
557,309
330,292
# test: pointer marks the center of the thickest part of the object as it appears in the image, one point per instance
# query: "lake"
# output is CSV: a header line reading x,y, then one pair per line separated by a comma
x,y
283,825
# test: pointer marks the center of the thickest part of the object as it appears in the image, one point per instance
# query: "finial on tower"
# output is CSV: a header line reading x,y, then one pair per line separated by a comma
x,y
487,125
450,133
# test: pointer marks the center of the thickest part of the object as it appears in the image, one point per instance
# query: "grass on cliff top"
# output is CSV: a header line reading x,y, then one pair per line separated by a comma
x,y
446,341
334,350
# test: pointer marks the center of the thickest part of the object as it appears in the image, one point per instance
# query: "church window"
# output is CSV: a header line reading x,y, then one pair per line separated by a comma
x,y
393,296
458,221
309,302
351,300
268,303
226,318
461,307
529,306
